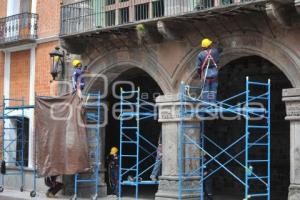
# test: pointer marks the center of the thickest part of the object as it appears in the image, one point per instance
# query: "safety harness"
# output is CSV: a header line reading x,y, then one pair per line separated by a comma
x,y
208,59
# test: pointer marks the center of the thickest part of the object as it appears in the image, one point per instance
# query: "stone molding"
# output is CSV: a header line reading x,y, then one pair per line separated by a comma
x,y
291,97
169,109
294,192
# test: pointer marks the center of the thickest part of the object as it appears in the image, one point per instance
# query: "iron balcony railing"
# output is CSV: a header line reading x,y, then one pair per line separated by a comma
x,y
20,27
91,15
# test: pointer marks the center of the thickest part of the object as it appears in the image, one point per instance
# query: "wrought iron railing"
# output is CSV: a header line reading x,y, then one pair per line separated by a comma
x,y
90,15
18,28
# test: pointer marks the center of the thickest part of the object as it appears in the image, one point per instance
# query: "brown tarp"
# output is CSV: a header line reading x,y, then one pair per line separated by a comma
x,y
61,142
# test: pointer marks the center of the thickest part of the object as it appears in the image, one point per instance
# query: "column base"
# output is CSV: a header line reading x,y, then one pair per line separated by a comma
x,y
84,189
168,188
294,192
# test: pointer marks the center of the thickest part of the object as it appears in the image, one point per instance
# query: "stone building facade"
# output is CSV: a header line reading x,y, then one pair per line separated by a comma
x,y
260,40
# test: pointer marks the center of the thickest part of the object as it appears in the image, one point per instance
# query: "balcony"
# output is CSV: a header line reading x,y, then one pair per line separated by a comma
x,y
91,15
18,29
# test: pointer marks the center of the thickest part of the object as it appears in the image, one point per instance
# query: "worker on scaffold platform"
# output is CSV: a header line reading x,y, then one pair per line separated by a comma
x,y
207,68
77,78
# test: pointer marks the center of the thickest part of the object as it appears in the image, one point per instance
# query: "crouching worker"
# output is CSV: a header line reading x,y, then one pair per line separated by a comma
x,y
54,186
113,170
207,68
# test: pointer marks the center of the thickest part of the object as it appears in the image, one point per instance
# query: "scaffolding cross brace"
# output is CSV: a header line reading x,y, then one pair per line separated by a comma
x,y
195,156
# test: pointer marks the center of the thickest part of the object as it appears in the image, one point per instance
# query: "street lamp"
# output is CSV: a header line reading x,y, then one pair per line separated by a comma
x,y
57,58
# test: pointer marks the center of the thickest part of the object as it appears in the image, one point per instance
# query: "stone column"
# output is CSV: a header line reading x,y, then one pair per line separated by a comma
x,y
292,100
169,117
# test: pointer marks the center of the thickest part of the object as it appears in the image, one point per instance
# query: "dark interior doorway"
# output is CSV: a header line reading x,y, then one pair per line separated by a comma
x,y
231,82
150,128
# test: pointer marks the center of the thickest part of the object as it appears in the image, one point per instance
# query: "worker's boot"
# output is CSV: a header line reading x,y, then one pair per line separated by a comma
x,y
49,195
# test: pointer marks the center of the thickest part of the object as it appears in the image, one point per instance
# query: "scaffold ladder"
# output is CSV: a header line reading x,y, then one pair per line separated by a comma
x,y
258,138
13,136
132,110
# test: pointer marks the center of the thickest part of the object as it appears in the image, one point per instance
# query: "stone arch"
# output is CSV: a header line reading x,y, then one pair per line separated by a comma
x,y
120,61
122,65
237,46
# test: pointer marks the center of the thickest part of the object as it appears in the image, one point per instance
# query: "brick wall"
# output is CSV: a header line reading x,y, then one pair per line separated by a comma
x,y
42,68
19,75
49,18
3,8
1,92
1,75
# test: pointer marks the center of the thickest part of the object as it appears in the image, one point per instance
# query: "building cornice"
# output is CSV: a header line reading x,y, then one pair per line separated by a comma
x,y
19,48
47,39
30,45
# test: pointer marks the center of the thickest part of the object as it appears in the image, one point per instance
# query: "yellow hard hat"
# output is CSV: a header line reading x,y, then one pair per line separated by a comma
x,y
114,150
206,43
76,62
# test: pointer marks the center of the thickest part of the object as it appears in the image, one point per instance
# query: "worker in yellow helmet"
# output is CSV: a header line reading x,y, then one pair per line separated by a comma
x,y
207,68
77,79
113,171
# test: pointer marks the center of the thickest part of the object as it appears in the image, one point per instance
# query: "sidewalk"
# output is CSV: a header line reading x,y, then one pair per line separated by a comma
x,y
17,195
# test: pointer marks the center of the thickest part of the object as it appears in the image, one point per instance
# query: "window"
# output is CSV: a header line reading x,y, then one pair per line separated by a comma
x,y
124,15
110,2
110,18
158,8
25,130
25,6
142,11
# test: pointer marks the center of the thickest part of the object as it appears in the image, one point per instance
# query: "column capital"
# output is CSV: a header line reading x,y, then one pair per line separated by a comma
x,y
169,109
291,97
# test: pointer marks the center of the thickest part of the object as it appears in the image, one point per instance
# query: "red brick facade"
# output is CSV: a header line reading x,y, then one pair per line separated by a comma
x,y
48,25
20,75
3,8
49,18
42,68
1,74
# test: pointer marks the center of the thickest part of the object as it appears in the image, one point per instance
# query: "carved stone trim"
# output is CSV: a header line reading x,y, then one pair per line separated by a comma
x,y
277,12
169,109
294,192
292,102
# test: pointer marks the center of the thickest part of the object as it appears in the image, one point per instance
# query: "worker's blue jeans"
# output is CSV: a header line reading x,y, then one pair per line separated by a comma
x,y
157,167
209,93
114,178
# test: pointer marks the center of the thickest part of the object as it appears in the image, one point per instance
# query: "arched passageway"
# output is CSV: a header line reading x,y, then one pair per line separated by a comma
x,y
232,81
150,129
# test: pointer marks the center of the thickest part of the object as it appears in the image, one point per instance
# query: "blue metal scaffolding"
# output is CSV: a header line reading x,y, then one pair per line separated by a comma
x,y
195,156
92,106
132,110
13,136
